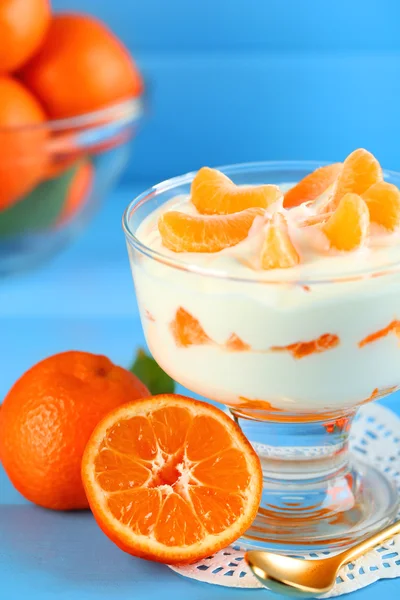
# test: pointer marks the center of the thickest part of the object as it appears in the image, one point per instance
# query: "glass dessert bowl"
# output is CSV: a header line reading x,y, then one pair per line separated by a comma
x,y
292,352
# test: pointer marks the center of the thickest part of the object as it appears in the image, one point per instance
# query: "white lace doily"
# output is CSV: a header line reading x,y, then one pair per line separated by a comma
x,y
376,436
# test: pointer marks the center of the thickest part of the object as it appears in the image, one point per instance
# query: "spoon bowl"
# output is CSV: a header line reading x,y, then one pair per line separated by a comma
x,y
293,577
300,578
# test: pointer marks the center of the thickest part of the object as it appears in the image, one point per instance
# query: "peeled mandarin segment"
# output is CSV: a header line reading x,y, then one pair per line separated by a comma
x,y
347,228
360,171
312,186
383,201
298,350
205,480
236,344
187,330
181,232
213,193
278,251
393,327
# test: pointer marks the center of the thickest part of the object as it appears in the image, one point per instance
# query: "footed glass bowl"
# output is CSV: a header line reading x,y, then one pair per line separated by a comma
x,y
53,177
293,393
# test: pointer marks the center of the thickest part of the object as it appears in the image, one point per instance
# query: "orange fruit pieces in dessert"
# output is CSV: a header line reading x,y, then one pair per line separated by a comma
x,y
236,344
171,479
278,251
187,330
312,186
383,201
360,171
393,327
347,228
212,192
181,232
325,342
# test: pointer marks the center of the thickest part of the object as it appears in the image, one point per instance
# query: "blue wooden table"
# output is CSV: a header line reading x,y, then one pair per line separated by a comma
x,y
84,300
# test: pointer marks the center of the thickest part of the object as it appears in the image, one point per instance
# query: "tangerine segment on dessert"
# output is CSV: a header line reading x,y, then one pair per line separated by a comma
x,y
213,193
171,479
298,350
383,201
312,186
181,232
348,227
187,330
278,251
360,171
393,327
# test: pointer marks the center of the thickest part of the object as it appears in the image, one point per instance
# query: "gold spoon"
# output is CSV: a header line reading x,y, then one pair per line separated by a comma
x,y
305,578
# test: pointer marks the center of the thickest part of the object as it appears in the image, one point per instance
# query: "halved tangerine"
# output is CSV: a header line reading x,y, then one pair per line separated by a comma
x,y
313,185
171,479
213,193
360,171
181,232
347,228
383,201
278,251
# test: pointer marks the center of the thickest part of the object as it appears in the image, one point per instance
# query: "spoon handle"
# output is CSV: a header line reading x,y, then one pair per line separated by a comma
x,y
360,549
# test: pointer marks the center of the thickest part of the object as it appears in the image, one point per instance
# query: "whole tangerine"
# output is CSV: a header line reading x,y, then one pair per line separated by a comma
x,y
48,417
78,191
23,138
23,24
81,67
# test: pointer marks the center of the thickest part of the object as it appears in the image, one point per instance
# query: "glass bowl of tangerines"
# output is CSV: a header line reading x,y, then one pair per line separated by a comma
x,y
70,101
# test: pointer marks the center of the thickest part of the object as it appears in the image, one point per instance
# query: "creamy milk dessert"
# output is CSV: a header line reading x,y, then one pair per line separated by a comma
x,y
284,298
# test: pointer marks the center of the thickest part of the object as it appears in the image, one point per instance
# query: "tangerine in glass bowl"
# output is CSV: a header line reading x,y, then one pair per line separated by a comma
x,y
53,176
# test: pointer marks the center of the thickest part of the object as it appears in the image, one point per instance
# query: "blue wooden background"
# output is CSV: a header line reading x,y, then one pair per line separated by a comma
x,y
239,80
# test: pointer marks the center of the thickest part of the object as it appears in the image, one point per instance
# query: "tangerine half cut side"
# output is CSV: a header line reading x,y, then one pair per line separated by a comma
x,y
171,479
213,193
181,232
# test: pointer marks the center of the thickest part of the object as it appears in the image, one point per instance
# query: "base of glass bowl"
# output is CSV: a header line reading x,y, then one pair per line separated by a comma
x,y
316,495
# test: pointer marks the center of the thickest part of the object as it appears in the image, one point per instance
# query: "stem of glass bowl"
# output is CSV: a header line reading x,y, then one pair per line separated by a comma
x,y
316,493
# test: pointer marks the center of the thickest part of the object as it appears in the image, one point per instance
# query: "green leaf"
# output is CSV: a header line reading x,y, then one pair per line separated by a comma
x,y
148,371
40,209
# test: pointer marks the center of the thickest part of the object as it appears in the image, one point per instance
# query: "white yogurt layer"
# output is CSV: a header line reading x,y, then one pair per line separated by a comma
x,y
264,315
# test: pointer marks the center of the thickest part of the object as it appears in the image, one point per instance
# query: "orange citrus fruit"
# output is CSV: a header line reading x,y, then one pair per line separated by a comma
x,y
360,171
187,330
80,67
78,191
181,232
23,24
312,186
213,193
278,251
347,228
23,136
47,418
383,201
171,479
